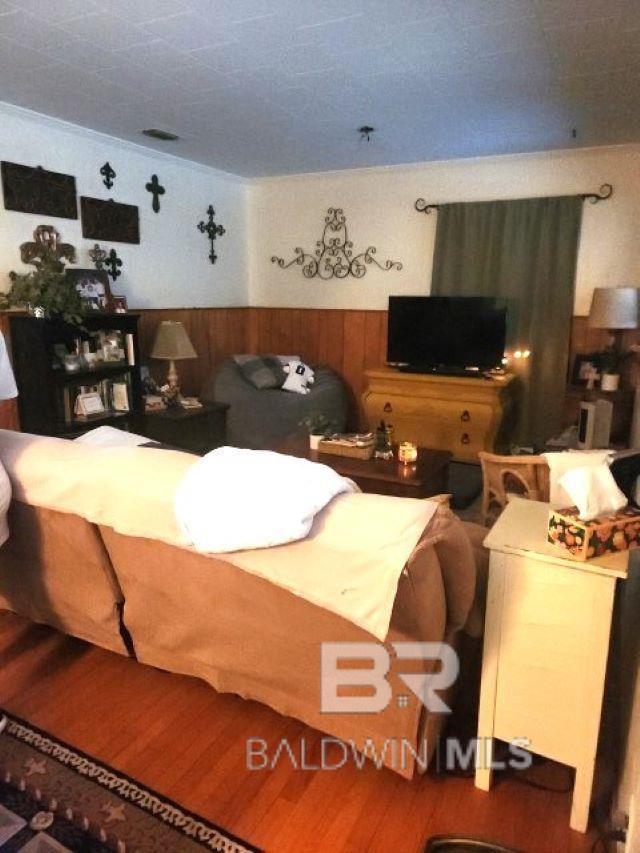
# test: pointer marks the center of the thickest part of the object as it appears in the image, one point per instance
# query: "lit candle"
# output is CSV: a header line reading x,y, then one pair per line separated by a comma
x,y
407,453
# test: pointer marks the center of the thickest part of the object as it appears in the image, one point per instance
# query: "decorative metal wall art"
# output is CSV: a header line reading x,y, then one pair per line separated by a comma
x,y
35,190
113,264
109,220
102,259
98,255
333,257
156,190
212,231
108,174
46,238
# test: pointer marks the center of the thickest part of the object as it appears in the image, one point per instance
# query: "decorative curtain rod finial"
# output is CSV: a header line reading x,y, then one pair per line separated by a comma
x,y
422,207
605,192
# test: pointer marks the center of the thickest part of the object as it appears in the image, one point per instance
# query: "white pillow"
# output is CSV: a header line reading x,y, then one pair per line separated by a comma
x,y
299,377
233,499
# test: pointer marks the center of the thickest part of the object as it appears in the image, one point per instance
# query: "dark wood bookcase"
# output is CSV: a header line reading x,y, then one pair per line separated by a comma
x,y
47,391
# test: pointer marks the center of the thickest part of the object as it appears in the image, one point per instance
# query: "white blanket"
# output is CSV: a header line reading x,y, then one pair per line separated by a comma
x,y
234,500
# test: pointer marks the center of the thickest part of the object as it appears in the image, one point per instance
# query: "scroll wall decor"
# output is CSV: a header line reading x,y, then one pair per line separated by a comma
x,y
333,256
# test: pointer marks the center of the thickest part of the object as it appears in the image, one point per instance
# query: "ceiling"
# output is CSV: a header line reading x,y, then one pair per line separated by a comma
x,y
267,87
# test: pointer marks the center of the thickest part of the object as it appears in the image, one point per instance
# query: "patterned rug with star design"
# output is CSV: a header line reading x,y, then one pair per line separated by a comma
x,y
56,799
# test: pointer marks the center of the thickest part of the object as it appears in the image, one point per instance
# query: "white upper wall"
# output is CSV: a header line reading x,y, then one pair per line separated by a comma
x,y
379,204
170,267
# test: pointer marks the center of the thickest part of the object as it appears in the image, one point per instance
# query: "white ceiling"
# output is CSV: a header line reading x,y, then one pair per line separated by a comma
x,y
265,87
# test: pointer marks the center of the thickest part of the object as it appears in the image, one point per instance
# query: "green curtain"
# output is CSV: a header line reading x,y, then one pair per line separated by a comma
x,y
523,252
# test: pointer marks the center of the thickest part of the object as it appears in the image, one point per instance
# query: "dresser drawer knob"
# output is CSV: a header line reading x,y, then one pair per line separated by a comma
x,y
464,438
387,408
465,416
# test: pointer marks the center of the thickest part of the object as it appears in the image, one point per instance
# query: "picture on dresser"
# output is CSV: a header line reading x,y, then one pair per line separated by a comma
x,y
93,286
109,220
28,189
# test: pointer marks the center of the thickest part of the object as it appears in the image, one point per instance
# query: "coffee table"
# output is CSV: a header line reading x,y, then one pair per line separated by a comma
x,y
380,476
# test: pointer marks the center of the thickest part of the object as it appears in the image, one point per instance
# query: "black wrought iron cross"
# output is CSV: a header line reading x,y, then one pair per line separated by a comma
x,y
157,190
108,174
113,261
212,231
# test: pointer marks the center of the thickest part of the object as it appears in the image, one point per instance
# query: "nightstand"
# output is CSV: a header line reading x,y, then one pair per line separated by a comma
x,y
546,643
197,430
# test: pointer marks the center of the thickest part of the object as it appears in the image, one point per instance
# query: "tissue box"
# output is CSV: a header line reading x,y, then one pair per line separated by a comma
x,y
606,534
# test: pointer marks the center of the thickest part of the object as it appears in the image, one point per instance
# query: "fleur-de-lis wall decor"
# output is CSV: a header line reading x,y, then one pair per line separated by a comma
x,y
108,174
333,256
156,190
212,231
113,264
98,255
46,239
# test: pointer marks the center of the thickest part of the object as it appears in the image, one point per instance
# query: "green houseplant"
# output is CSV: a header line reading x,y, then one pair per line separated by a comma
x,y
319,427
47,289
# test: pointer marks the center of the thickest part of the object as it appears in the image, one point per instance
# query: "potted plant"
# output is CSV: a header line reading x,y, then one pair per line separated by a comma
x,y
609,366
319,426
46,291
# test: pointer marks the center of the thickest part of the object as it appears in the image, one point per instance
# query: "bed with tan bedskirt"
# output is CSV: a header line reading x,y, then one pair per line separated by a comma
x,y
94,547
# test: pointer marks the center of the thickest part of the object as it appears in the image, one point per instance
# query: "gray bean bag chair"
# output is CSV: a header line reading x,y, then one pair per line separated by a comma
x,y
260,419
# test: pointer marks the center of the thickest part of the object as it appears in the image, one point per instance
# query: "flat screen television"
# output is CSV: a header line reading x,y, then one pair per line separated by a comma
x,y
440,334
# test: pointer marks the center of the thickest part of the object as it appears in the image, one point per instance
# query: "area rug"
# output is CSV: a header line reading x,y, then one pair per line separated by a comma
x,y
56,799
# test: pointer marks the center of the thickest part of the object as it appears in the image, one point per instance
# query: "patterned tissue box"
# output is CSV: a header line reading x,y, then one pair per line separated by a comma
x,y
606,534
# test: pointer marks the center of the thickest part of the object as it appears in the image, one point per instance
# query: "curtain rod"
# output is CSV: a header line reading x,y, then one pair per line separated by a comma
x,y
605,192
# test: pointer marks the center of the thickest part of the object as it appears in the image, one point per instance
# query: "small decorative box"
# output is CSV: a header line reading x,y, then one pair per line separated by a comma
x,y
603,535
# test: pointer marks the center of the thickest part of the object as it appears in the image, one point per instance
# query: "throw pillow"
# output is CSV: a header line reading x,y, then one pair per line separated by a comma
x,y
299,377
261,371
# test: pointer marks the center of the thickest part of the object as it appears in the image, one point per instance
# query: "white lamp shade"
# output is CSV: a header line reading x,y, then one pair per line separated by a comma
x,y
172,342
614,308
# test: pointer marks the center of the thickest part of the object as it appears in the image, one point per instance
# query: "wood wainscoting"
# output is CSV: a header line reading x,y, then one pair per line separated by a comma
x,y
349,341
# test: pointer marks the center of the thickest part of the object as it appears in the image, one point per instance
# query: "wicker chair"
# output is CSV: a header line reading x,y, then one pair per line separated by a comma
x,y
525,476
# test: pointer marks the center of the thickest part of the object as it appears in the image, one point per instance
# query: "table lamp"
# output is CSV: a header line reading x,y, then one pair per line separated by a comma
x,y
615,309
172,343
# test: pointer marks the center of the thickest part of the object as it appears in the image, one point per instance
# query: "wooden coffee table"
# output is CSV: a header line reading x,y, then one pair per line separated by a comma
x,y
380,476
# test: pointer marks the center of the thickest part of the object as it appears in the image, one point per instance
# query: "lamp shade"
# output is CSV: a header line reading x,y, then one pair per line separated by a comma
x,y
172,342
614,308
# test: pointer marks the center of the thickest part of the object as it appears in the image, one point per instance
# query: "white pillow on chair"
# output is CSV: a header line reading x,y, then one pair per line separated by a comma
x,y
299,377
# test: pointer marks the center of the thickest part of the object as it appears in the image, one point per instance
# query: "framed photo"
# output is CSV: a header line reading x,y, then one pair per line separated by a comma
x,y
89,404
119,304
93,285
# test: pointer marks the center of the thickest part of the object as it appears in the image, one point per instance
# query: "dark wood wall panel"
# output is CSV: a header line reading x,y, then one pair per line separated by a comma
x,y
349,341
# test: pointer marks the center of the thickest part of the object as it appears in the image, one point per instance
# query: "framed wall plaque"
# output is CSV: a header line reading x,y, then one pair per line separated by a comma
x,y
109,220
29,189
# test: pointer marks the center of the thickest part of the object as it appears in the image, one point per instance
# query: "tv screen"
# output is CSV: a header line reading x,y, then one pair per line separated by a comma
x,y
440,332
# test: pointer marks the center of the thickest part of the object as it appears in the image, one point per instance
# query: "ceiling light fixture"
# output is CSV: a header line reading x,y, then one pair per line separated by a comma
x,y
164,135
365,132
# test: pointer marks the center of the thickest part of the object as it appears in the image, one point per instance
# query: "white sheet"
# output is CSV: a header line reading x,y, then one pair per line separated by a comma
x,y
234,500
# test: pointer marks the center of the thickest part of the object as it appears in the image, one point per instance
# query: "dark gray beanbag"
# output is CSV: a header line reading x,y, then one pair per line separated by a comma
x,y
260,419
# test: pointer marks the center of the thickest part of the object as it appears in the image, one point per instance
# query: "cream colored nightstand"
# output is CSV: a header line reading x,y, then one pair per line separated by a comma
x,y
546,643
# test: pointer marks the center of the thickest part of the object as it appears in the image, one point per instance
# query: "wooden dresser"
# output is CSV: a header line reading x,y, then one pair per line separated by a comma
x,y
452,413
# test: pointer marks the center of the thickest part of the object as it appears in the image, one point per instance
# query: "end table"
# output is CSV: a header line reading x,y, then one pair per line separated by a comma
x,y
197,430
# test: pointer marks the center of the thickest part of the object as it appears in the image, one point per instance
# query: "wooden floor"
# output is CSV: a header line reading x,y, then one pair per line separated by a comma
x,y
177,735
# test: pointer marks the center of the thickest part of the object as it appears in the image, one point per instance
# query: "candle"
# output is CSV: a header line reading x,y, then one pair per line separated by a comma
x,y
407,453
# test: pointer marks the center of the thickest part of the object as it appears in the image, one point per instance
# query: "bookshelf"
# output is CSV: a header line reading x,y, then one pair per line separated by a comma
x,y
58,366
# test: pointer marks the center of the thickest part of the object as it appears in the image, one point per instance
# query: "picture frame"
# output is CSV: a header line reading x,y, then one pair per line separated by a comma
x,y
109,221
93,285
29,189
89,404
119,303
